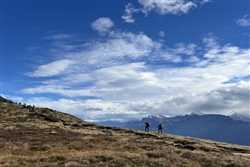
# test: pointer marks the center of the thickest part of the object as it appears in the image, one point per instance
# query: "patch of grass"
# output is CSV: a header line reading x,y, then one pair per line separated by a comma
x,y
45,111
104,158
77,145
155,155
51,118
73,164
57,158
39,147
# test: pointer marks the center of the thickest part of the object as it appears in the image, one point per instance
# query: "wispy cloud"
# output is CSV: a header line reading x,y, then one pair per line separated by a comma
x,y
128,13
52,69
60,36
161,34
244,21
58,89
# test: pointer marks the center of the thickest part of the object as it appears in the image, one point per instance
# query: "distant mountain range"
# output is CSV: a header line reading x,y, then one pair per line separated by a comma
x,y
212,127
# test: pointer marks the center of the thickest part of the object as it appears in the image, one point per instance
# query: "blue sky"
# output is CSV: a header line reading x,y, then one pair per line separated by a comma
x,y
124,60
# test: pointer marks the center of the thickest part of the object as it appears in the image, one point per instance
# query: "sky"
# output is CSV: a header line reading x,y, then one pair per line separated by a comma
x,y
120,60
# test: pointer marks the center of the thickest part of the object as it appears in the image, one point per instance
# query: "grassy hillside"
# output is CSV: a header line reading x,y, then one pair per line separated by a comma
x,y
45,137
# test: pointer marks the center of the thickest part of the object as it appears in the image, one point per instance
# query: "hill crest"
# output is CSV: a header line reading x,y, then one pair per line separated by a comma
x,y
44,137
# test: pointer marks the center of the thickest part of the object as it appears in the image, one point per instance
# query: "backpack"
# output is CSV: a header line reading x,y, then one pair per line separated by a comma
x,y
160,126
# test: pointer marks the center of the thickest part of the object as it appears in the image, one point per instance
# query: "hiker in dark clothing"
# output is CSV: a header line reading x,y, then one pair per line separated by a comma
x,y
147,125
160,127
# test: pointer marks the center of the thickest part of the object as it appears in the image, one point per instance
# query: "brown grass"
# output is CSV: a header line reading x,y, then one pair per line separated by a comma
x,y
50,138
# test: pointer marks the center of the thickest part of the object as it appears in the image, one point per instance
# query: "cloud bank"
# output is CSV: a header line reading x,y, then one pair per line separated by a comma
x,y
125,75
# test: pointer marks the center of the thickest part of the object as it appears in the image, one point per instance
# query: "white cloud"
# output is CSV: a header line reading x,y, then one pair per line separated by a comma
x,y
114,49
128,13
224,99
132,45
59,89
52,69
127,74
127,82
161,7
192,59
161,34
187,49
177,54
60,36
244,21
167,7
102,25
227,63
210,41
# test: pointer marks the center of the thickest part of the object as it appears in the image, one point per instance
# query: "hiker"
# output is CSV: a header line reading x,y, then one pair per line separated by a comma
x,y
24,105
160,127
147,125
